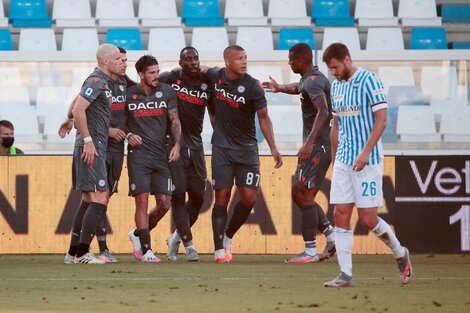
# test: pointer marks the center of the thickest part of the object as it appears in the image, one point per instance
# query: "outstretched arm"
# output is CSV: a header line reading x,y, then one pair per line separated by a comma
x,y
273,86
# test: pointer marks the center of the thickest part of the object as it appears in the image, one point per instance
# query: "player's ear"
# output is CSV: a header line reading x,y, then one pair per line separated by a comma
x,y
179,62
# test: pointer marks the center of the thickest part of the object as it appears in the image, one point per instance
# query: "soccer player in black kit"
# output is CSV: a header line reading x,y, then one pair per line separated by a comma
x,y
189,172
235,149
150,107
314,157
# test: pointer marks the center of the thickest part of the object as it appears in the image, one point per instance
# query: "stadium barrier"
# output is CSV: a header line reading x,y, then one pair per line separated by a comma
x,y
426,202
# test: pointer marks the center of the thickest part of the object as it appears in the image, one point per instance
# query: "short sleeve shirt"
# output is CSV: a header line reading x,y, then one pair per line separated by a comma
x,y
118,89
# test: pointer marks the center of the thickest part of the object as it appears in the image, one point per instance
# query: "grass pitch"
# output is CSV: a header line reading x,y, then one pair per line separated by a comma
x,y
252,283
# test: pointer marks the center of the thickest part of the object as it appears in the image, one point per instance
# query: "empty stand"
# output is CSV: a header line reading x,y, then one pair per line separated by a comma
x,y
26,123
3,19
417,124
29,13
418,13
291,36
455,13
385,39
440,83
41,39
48,98
332,13
5,40
287,123
10,76
405,95
455,126
255,38
210,38
288,13
428,38
346,35
375,13
80,39
389,134
166,39
127,38
155,13
116,13
460,45
245,13
79,74
202,13
72,13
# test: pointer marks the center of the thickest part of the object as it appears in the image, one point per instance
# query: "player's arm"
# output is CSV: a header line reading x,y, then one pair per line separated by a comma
x,y
67,125
267,129
175,125
273,86
211,111
78,112
334,138
132,139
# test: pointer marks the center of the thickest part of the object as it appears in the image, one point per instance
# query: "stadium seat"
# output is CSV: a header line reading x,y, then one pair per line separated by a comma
x,y
346,35
455,13
428,38
6,43
385,39
29,13
13,96
287,123
332,13
3,19
460,45
80,39
262,73
202,13
389,134
210,38
375,13
127,38
40,39
255,38
10,76
396,76
455,126
50,98
291,36
288,13
72,13
245,13
116,13
25,120
405,95
155,13
418,13
440,83
416,123
166,39
79,74
52,119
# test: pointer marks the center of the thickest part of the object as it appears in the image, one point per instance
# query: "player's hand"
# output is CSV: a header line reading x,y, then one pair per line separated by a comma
x,y
174,153
304,153
116,133
277,158
65,128
134,140
89,153
271,86
361,161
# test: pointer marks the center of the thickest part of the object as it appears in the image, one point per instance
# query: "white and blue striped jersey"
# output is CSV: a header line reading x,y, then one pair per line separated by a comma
x,y
354,102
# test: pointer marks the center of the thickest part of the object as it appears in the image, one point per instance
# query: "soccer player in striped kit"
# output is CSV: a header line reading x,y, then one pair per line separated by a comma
x,y
359,118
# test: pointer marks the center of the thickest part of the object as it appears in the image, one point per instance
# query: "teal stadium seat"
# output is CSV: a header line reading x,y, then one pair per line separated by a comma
x,y
202,13
291,36
6,43
127,38
460,45
428,38
455,13
332,13
29,13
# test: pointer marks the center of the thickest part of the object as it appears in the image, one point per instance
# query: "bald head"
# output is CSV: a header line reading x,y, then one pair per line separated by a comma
x,y
109,59
105,52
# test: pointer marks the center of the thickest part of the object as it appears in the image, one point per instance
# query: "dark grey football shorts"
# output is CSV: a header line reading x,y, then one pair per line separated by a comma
x,y
189,172
114,161
312,173
86,178
148,175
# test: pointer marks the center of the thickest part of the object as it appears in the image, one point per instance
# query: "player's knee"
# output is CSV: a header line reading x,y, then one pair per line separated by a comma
x,y
141,203
249,202
177,200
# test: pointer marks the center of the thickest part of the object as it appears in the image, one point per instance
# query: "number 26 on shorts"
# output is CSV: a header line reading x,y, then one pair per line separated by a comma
x,y
369,189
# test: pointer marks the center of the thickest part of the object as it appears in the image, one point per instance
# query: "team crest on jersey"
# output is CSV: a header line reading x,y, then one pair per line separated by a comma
x,y
121,87
203,86
241,89
96,79
159,94
132,186
101,183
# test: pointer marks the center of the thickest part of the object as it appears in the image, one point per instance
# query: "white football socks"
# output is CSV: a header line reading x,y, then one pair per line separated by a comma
x,y
385,233
344,244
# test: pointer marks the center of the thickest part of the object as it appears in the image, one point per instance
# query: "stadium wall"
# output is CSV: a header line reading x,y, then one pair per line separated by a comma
x,y
426,202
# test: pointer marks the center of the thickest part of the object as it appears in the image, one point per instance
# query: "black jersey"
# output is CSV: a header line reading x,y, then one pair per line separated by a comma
x,y
147,116
118,88
313,85
192,102
96,90
236,103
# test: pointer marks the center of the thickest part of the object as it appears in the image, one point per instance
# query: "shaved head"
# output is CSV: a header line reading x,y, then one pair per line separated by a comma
x,y
105,52
231,49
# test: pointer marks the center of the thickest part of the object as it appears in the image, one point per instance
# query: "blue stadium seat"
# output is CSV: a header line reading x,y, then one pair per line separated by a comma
x,y
455,13
428,38
460,45
389,134
332,13
202,13
291,36
127,38
29,13
5,40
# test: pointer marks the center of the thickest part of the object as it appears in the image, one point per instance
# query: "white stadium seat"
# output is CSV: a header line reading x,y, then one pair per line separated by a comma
x,y
375,13
255,38
3,19
155,13
440,83
210,38
10,76
245,13
287,122
288,13
25,121
79,74
37,39
166,39
116,13
416,123
262,73
346,35
72,13
455,126
418,13
385,39
396,76
80,39
51,97
13,96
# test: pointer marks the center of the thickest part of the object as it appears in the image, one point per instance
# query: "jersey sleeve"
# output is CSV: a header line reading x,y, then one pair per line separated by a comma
x,y
212,73
92,88
315,87
259,98
375,93
333,101
172,99
165,77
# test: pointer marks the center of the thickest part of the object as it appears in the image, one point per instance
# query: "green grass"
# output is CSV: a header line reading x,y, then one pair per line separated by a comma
x,y
252,283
